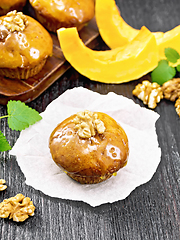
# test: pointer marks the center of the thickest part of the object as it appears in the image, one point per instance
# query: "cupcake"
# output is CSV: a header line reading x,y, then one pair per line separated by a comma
x,y
89,147
10,5
56,14
24,45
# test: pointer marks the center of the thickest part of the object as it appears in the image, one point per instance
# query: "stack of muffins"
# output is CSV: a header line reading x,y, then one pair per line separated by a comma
x,y
22,38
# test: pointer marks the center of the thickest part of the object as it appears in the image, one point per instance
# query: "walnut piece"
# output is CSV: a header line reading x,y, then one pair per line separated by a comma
x,y
177,106
171,89
2,187
149,93
18,208
15,21
87,124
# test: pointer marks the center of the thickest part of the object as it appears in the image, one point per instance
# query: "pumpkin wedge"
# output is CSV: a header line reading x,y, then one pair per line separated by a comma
x,y
113,29
116,32
170,39
118,65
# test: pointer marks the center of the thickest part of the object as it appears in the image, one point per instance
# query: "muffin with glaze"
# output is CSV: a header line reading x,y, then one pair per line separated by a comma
x,y
89,146
54,14
24,45
10,5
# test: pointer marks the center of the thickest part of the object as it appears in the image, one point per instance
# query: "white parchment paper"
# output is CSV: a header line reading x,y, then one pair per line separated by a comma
x,y
34,159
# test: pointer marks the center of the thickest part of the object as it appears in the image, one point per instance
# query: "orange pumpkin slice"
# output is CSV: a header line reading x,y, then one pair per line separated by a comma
x,y
118,65
170,39
113,29
116,32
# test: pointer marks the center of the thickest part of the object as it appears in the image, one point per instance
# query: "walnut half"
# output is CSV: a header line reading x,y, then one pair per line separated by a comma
x,y
171,89
15,21
87,124
177,106
2,186
18,208
149,93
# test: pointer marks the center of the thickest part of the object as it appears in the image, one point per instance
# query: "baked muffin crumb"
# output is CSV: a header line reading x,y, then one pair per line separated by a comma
x,y
62,13
93,157
22,41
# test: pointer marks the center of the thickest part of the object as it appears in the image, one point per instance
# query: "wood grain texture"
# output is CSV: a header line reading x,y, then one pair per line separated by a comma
x,y
151,211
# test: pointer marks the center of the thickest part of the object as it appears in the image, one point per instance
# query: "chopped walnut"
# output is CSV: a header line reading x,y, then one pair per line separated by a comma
x,y
2,187
149,93
15,21
177,106
18,208
171,89
87,123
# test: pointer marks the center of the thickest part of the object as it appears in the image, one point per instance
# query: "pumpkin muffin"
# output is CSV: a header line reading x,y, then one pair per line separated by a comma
x,y
89,147
24,45
10,5
54,14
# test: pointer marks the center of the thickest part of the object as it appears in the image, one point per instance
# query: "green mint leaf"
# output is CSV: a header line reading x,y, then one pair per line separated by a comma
x,y
178,68
163,72
4,145
20,116
171,54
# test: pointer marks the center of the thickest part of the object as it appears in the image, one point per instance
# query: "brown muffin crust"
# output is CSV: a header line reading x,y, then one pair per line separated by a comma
x,y
55,14
10,5
93,159
25,46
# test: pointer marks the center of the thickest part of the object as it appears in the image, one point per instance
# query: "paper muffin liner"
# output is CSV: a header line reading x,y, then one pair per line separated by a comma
x,y
35,161
22,73
88,179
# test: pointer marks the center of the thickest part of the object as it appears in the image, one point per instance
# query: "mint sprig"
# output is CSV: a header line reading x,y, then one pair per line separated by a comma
x,y
171,54
163,72
4,145
166,68
178,68
20,117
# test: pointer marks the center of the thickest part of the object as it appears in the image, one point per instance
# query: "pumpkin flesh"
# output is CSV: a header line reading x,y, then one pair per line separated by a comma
x,y
169,39
116,32
118,65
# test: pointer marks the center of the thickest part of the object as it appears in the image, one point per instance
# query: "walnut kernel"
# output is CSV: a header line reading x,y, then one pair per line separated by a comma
x,y
149,93
171,89
87,123
15,21
2,186
177,106
18,208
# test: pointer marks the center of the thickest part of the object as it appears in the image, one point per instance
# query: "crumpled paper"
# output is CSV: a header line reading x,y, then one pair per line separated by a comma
x,y
34,158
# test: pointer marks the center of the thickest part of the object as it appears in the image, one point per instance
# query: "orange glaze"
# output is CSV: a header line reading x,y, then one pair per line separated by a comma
x,y
68,12
98,155
24,48
10,5
5,4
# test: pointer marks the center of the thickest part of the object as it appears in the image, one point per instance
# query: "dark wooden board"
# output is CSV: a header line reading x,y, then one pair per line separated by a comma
x,y
151,211
56,66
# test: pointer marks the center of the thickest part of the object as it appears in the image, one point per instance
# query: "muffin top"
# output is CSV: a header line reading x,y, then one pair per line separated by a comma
x,y
69,11
6,4
23,41
89,144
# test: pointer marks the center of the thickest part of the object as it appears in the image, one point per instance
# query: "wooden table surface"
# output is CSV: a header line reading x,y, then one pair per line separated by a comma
x,y
151,211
